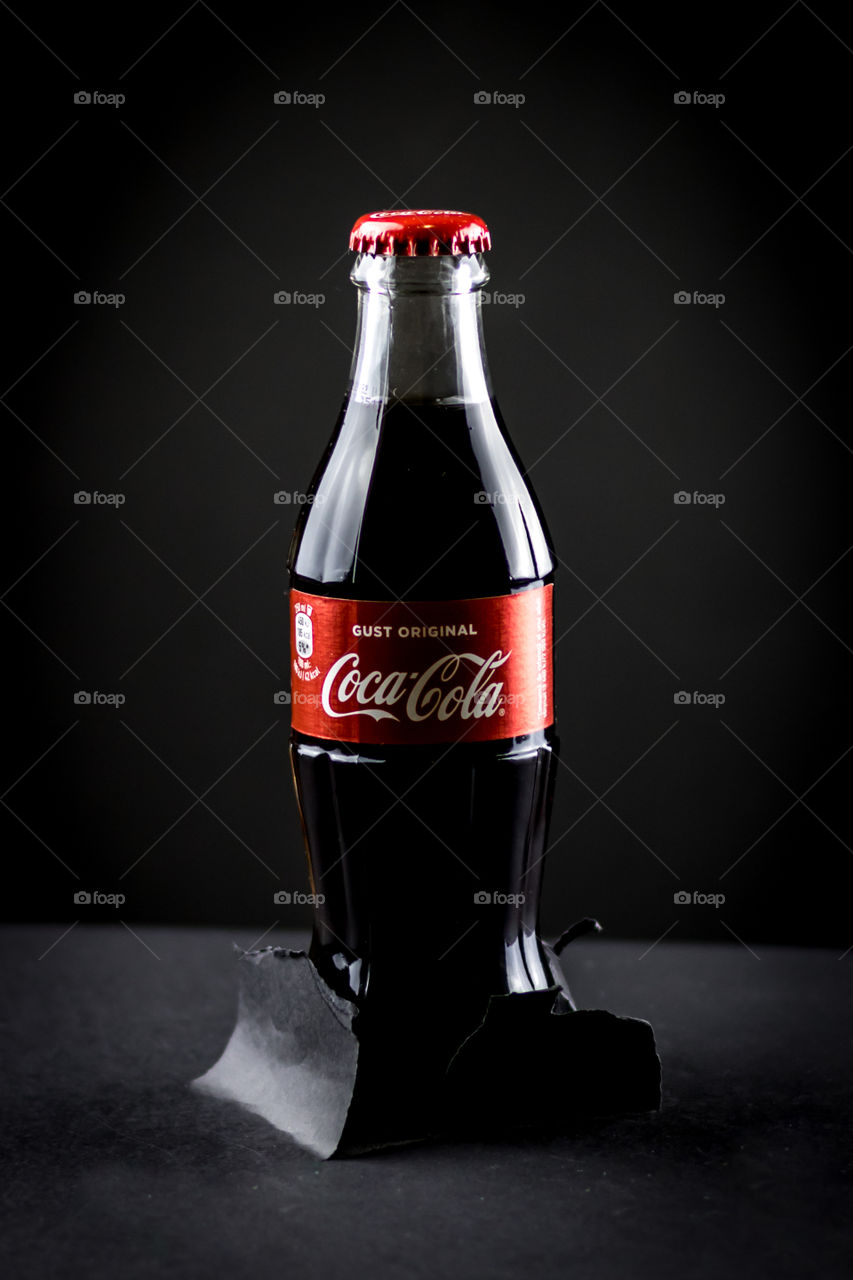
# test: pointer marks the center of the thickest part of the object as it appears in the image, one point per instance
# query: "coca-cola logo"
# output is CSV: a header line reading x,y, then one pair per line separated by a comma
x,y
445,689
421,671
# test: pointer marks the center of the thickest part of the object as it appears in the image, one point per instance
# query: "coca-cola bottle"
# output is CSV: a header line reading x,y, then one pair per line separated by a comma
x,y
423,742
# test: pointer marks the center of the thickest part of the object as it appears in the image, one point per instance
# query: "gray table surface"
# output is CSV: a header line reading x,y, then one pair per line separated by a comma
x,y
114,1168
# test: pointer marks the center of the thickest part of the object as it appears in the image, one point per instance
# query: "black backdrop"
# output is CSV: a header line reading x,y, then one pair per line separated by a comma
x,y
198,397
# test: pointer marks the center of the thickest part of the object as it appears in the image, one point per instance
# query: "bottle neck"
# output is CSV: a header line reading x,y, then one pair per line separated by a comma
x,y
420,332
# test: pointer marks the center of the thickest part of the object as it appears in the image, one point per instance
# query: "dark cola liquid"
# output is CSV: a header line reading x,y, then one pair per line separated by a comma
x,y
402,839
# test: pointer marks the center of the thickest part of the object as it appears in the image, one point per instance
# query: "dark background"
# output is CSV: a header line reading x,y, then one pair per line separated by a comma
x,y
199,398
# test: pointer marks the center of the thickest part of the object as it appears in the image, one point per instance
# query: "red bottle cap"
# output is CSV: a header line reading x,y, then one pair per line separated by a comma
x,y
416,232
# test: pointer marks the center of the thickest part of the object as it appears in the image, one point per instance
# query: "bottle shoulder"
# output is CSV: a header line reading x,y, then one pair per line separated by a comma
x,y
421,500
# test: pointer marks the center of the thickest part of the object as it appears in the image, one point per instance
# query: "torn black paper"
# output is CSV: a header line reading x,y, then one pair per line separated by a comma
x,y
340,1081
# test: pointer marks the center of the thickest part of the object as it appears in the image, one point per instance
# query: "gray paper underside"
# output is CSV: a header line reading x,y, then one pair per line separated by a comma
x,y
292,1056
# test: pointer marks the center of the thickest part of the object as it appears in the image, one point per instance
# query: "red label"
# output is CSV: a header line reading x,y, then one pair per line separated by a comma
x,y
422,671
